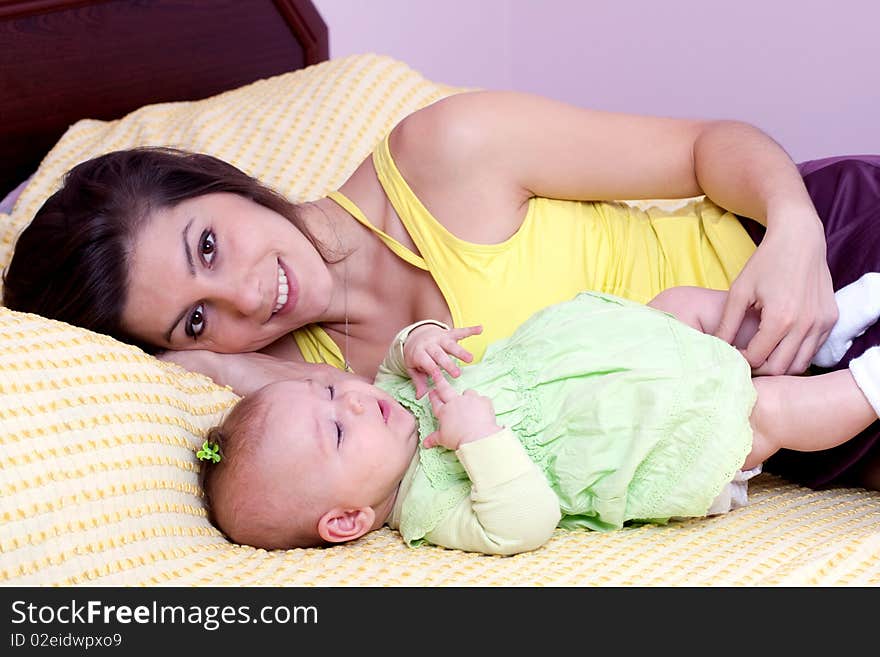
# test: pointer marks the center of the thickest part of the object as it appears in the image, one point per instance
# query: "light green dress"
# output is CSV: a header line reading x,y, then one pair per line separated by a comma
x,y
630,414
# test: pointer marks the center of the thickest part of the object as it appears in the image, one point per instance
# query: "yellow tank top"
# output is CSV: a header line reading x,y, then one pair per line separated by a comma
x,y
562,248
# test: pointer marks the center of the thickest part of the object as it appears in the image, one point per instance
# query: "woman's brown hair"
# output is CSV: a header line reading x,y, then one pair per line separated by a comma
x,y
71,263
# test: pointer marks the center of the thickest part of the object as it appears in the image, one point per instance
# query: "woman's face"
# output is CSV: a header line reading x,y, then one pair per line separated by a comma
x,y
223,273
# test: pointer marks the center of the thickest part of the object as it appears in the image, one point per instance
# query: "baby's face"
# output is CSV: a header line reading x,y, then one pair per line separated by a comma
x,y
350,443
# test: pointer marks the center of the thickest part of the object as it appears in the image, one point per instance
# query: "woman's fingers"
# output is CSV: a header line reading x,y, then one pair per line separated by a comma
x,y
780,356
789,334
732,315
805,354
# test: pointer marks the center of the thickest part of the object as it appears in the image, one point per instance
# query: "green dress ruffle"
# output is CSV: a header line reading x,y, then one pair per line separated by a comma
x,y
631,415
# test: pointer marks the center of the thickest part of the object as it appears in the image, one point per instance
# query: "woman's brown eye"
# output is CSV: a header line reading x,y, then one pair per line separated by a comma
x,y
196,323
208,246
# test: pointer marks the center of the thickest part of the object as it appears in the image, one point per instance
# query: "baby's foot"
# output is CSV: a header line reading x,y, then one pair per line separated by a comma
x,y
866,371
858,308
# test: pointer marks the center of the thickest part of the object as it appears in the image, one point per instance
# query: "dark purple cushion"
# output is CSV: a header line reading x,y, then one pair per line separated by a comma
x,y
846,193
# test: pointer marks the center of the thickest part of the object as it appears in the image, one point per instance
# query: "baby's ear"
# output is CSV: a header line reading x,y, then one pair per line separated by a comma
x,y
341,525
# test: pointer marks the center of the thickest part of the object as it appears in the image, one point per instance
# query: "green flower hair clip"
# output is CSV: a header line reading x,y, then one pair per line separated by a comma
x,y
209,452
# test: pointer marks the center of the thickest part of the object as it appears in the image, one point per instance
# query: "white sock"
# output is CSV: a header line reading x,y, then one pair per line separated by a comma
x,y
858,307
866,371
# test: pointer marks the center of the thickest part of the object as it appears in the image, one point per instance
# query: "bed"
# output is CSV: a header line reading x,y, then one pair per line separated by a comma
x,y
98,475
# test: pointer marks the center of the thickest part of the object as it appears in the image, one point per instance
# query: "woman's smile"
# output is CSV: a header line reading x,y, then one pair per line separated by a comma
x,y
287,291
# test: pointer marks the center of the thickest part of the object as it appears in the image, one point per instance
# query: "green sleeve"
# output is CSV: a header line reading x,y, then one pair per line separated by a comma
x,y
511,507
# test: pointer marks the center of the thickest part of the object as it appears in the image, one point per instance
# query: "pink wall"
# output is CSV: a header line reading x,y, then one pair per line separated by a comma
x,y
806,71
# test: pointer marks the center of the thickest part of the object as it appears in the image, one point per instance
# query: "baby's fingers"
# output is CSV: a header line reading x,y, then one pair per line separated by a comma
x,y
443,390
436,402
431,440
421,366
441,360
465,332
454,349
420,381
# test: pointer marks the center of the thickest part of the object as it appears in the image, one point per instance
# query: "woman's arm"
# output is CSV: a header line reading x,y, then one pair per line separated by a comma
x,y
247,372
536,146
520,145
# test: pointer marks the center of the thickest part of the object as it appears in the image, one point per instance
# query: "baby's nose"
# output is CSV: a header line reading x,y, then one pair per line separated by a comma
x,y
354,403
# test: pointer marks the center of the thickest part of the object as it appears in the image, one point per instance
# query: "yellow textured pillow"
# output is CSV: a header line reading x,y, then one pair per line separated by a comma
x,y
98,476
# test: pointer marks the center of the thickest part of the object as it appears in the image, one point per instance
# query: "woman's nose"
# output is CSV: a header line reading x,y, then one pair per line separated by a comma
x,y
246,296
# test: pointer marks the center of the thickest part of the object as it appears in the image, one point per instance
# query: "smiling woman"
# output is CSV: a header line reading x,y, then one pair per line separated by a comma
x,y
224,283
168,216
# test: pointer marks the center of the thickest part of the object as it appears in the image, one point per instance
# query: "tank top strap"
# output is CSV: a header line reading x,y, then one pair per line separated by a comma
x,y
398,248
429,235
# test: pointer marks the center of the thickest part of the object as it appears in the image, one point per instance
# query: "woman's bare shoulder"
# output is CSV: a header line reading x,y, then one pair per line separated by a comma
x,y
446,152
451,128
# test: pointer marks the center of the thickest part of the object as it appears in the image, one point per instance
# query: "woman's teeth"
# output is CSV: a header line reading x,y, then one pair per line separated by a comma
x,y
282,290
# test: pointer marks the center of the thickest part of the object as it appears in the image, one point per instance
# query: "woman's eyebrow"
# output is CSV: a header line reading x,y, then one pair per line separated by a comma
x,y
192,272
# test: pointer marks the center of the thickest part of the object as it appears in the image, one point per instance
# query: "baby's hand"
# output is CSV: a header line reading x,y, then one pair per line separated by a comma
x,y
463,418
428,349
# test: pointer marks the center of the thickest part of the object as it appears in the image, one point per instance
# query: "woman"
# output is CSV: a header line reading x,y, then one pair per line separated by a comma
x,y
456,216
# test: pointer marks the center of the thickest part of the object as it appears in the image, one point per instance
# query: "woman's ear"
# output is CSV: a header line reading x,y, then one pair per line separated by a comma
x,y
341,525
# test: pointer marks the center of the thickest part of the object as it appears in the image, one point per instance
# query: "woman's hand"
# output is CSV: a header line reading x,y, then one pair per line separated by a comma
x,y
788,282
247,372
427,350
462,418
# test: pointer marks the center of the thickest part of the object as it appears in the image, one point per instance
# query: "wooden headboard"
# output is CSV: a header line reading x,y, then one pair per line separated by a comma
x,y
64,60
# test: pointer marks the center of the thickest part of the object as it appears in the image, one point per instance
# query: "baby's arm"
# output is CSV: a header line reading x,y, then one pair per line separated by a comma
x,y
701,308
511,507
429,348
422,349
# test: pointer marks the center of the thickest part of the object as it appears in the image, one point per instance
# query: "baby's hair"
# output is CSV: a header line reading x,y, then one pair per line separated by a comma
x,y
233,436
239,436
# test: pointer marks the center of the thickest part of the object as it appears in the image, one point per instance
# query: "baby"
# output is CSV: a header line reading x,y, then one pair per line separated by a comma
x,y
595,413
